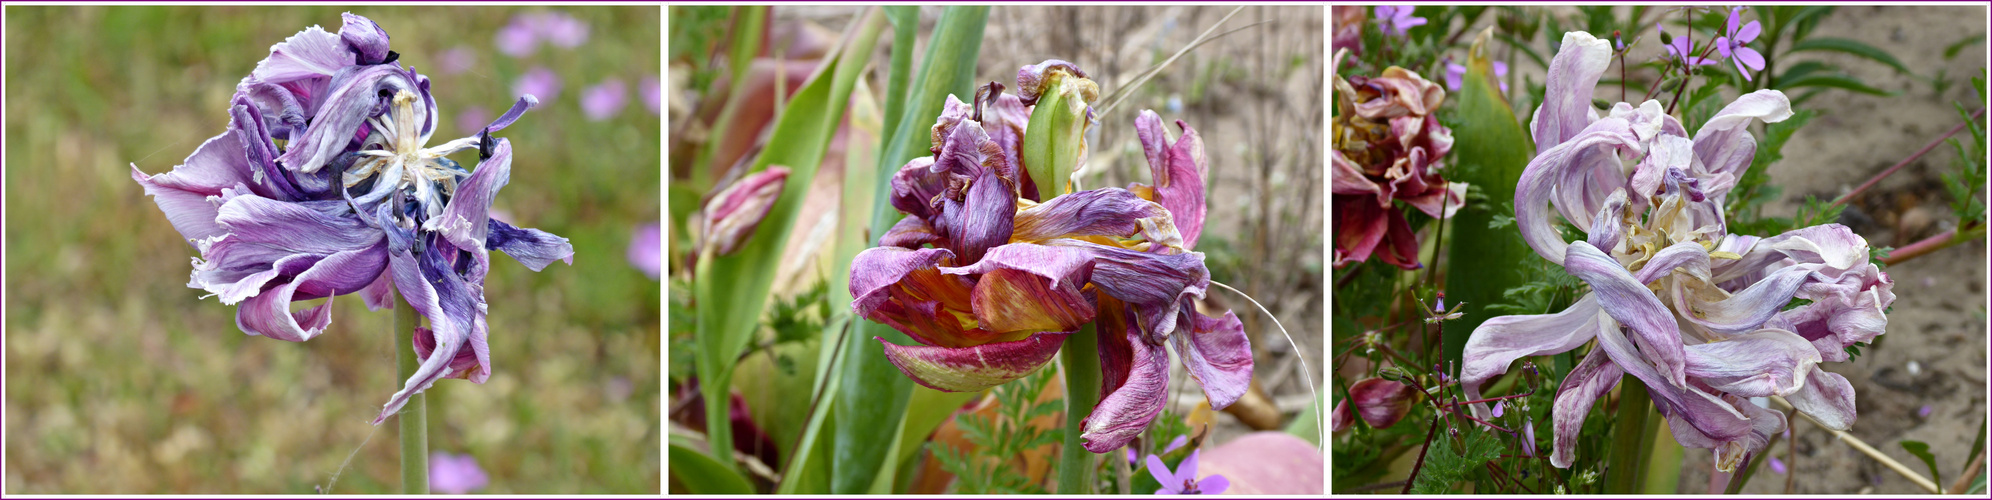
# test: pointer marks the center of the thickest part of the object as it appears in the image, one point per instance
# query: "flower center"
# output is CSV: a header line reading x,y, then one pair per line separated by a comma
x,y
402,160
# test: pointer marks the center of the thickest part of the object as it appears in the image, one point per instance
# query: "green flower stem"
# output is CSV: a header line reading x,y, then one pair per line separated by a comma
x,y
414,417
1081,360
1629,446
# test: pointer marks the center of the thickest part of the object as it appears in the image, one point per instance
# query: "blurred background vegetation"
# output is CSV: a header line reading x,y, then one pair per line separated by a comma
x,y
120,379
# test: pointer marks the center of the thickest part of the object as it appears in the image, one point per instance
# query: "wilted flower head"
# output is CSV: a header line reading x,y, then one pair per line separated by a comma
x,y
1388,146
998,261
352,201
1696,314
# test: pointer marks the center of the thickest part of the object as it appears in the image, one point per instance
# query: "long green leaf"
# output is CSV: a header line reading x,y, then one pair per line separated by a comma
x,y
873,394
732,290
1843,82
1922,452
1490,149
703,475
1853,47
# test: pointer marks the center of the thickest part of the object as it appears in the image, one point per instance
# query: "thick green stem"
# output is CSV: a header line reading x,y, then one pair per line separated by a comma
x,y
414,417
1629,445
1081,360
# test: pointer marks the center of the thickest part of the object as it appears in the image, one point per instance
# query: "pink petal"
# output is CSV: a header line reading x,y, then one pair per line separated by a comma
x,y
969,369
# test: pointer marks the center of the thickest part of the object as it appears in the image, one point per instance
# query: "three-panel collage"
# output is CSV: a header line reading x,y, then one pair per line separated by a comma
x,y
805,250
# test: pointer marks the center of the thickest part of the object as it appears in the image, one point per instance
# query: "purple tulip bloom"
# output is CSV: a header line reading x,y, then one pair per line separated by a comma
x,y
1184,481
1731,46
989,281
646,250
540,82
452,474
1693,312
1456,75
352,201
605,100
1396,20
653,95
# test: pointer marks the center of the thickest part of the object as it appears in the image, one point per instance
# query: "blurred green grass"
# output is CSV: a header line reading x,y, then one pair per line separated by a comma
x,y
120,379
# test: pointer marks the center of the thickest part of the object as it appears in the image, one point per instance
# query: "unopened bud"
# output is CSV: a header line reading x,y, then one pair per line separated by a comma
x,y
1382,402
732,215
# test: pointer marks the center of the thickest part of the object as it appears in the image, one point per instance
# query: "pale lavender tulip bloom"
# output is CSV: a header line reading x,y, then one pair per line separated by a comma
x,y
1184,480
538,82
1694,313
653,95
646,250
354,201
452,474
605,100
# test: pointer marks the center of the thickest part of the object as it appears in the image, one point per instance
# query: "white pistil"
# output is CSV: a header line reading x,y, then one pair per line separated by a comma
x,y
404,161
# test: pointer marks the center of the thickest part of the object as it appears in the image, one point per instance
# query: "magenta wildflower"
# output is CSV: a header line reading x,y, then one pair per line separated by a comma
x,y
1175,444
646,250
517,39
1396,20
456,60
1731,46
472,119
353,200
605,100
562,30
1777,466
1184,481
452,474
1497,407
1456,75
652,94
540,82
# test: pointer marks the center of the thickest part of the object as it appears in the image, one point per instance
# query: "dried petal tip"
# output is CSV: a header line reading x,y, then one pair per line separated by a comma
x,y
732,215
1034,80
365,38
1381,402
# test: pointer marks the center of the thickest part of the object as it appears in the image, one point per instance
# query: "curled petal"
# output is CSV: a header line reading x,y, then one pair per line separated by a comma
x,y
1035,79
1154,285
1592,378
1764,363
1112,212
1135,402
1573,76
968,369
1545,174
1687,256
1347,178
1828,398
1729,452
270,241
1724,147
465,220
1402,92
905,289
365,38
909,232
732,215
380,294
1744,311
459,367
1219,355
532,247
1023,287
1607,228
1632,304
981,219
1359,227
1179,170
1501,340
312,53
354,96
953,112
1705,412
916,187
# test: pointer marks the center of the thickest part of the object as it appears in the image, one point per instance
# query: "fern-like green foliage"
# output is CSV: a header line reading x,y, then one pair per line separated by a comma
x,y
993,465
1963,185
1448,463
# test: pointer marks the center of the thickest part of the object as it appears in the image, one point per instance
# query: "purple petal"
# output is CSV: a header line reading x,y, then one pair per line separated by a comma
x,y
460,366
364,38
604,101
1529,437
1005,119
310,54
652,94
1111,212
183,194
1124,413
518,109
1686,256
1546,174
537,249
1498,407
1160,471
1032,79
1382,403
1828,398
1748,58
538,82
380,294
1777,466
452,474
1176,444
646,250
1743,311
1154,285
1187,469
464,220
1219,355
355,96
563,30
1630,303
1023,287
969,369
1573,75
916,187
910,232
1179,170
1213,485
1764,363
905,289
1735,19
1748,33
517,39
1503,339
1592,378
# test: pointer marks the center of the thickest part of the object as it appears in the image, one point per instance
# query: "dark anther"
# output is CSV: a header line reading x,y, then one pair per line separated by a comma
x,y
485,145
391,57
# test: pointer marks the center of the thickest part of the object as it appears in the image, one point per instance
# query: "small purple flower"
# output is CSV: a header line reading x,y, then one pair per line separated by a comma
x,y
517,39
1174,445
538,82
646,250
1777,466
473,119
1497,407
1456,76
452,474
456,60
1396,20
1683,49
1925,411
1731,46
1529,437
652,93
562,30
1184,480
605,100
